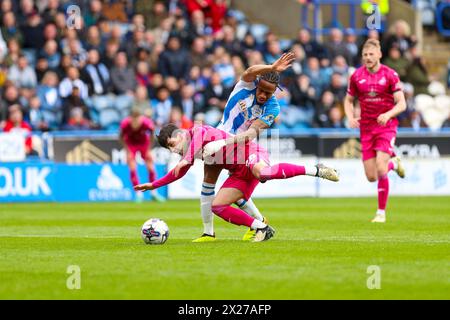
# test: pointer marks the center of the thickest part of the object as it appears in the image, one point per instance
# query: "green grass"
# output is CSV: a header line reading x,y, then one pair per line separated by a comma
x,y
322,249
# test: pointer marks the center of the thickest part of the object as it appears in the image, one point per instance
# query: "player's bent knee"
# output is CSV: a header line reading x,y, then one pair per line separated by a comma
x,y
218,209
371,178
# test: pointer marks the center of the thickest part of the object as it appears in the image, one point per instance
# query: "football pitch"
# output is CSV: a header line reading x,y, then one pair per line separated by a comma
x,y
323,249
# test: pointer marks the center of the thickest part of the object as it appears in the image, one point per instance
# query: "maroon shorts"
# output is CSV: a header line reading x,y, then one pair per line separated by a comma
x,y
143,149
378,139
241,176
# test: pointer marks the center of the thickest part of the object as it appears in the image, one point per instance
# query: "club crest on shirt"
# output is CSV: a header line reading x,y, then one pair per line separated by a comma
x,y
256,111
382,81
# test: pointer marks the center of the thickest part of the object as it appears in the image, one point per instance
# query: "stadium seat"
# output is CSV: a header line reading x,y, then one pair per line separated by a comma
x,y
259,31
443,18
108,117
427,9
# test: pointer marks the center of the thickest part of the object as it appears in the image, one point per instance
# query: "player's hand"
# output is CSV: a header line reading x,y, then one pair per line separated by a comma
x,y
284,62
144,187
183,163
354,123
383,119
213,147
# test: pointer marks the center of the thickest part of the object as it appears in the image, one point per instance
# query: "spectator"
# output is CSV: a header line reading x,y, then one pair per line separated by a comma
x,y
162,107
41,68
216,96
94,40
179,119
51,103
351,43
96,75
71,81
123,76
16,124
94,13
318,78
338,86
77,121
337,47
32,31
302,93
22,74
190,103
143,74
37,120
198,53
417,74
174,61
10,29
14,52
51,11
273,52
311,47
396,61
10,97
399,36
50,52
181,30
326,102
224,67
141,102
74,101
111,51
336,118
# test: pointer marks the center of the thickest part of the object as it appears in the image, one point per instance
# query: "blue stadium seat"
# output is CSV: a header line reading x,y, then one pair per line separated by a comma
x,y
443,18
108,117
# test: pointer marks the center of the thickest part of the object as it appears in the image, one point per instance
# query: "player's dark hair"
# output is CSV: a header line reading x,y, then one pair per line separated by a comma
x,y
271,76
166,133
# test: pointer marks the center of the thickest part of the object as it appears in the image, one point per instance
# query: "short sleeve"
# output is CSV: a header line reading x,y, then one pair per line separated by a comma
x,y
271,112
352,89
394,83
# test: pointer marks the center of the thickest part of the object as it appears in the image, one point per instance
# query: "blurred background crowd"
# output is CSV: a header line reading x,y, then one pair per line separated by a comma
x,y
177,61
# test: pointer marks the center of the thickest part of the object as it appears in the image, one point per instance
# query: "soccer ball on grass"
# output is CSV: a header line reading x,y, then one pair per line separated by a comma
x,y
155,231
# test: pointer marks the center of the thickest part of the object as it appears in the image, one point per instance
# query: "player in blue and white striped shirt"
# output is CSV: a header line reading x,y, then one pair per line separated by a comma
x,y
250,108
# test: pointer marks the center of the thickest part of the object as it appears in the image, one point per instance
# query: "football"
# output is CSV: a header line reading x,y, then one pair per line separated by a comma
x,y
155,231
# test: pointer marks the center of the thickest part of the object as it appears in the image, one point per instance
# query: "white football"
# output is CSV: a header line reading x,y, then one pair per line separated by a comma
x,y
155,231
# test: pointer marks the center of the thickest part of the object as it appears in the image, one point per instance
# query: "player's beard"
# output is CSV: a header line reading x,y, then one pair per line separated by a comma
x,y
373,66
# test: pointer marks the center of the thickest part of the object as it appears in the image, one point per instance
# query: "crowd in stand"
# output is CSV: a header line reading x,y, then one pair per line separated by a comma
x,y
176,61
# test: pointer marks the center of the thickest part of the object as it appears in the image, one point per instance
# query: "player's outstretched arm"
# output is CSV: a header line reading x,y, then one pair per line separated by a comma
x,y
284,62
175,174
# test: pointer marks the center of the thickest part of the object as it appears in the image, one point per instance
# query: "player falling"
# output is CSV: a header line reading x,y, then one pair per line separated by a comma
x,y
135,133
250,109
380,96
248,164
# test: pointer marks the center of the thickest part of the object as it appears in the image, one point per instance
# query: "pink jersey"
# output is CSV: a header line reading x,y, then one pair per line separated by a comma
x,y
139,136
238,159
375,92
231,157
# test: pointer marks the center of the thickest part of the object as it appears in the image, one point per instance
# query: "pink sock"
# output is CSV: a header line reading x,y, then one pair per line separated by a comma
x,y
151,175
383,191
282,171
134,177
233,215
390,166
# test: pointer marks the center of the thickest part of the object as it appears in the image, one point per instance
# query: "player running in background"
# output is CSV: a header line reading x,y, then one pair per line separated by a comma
x,y
250,109
135,134
380,96
248,164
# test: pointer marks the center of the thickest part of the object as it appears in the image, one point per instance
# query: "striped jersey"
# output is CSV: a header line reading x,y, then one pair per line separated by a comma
x,y
242,109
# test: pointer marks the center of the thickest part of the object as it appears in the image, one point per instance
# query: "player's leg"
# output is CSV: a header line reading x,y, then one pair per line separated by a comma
x,y
382,167
370,169
264,172
132,166
211,174
149,163
229,195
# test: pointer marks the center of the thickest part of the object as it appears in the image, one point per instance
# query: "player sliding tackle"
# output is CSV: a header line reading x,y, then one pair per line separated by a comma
x,y
248,164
